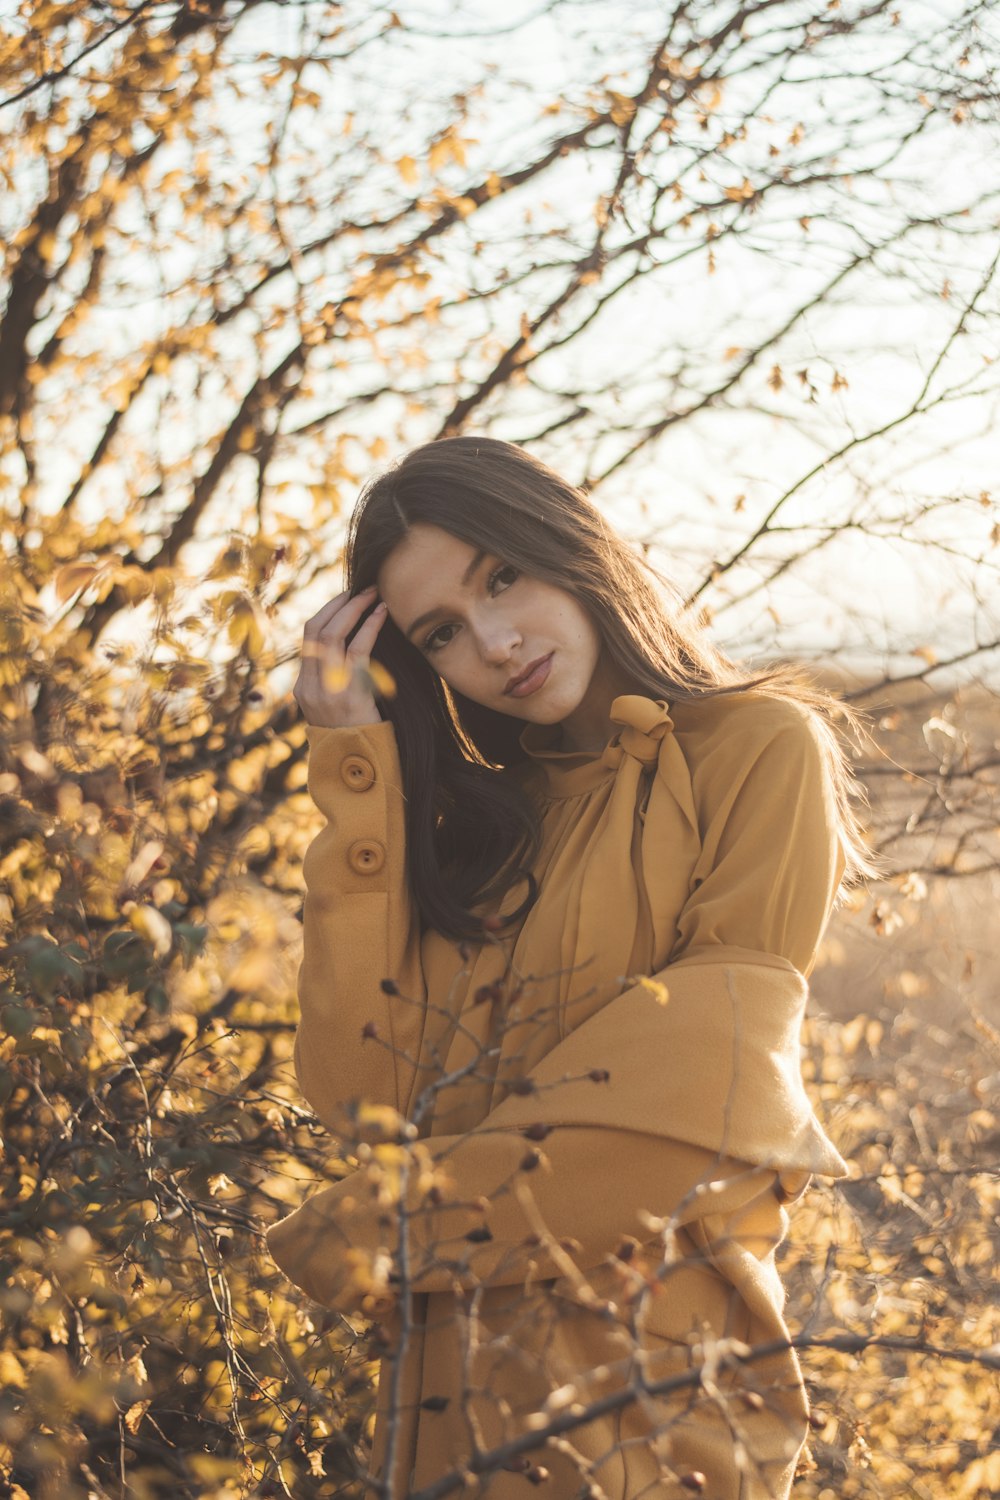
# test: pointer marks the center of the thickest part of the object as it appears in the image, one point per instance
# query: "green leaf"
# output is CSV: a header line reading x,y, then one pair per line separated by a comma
x,y
157,999
19,1020
192,937
126,956
50,968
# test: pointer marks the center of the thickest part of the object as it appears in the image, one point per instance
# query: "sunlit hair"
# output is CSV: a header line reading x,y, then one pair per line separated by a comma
x,y
471,829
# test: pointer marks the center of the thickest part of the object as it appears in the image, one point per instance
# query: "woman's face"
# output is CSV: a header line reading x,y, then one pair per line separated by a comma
x,y
480,622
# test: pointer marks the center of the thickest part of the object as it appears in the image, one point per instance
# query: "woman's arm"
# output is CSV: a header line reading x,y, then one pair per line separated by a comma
x,y
771,860
359,927
509,1209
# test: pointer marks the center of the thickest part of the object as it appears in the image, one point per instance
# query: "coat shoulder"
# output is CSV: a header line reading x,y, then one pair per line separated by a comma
x,y
739,727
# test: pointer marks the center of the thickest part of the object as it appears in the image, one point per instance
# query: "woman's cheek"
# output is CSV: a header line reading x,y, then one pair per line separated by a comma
x,y
451,670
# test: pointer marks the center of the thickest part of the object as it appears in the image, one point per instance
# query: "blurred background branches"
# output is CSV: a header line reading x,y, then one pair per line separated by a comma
x,y
733,268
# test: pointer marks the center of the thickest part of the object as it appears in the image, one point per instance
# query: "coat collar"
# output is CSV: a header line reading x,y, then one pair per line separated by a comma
x,y
570,773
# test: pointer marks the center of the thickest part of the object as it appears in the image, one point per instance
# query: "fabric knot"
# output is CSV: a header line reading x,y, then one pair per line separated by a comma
x,y
645,721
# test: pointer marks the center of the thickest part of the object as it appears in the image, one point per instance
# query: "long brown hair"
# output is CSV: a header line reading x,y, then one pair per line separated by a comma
x,y
471,830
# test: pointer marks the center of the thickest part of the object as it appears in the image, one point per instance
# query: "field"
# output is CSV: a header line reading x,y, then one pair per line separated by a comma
x,y
903,1057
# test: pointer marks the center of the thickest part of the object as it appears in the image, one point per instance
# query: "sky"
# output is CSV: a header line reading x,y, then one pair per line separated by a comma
x,y
694,496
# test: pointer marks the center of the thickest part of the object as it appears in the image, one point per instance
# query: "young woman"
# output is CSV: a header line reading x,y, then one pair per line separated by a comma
x,y
557,932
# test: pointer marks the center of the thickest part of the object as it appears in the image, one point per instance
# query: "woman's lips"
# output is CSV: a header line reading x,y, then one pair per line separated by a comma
x,y
533,681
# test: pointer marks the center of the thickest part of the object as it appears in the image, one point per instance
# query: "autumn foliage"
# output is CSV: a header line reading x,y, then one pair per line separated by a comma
x,y
234,282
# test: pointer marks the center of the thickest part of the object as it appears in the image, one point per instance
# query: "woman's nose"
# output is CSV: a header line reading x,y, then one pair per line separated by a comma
x,y
499,646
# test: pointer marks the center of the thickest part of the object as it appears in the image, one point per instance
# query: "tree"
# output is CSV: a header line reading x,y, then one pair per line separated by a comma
x,y
252,250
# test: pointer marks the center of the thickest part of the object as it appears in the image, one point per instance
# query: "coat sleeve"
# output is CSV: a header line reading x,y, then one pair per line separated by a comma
x,y
761,895
359,927
501,1221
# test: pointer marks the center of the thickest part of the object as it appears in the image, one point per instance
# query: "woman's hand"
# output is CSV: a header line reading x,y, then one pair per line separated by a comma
x,y
330,690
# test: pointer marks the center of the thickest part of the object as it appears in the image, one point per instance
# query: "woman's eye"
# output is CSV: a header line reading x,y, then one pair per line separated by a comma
x,y
432,643
504,568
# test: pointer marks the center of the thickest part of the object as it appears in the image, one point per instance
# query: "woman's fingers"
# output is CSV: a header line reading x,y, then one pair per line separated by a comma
x,y
360,647
326,612
341,612
329,690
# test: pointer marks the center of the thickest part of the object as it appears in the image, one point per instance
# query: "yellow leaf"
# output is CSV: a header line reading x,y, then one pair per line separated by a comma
x,y
335,677
381,1117
121,392
367,1272
72,577
982,1476
244,627
913,884
143,862
741,193
135,1414
163,584
439,154
11,1370
622,107
911,984
154,927
228,561
383,680
656,988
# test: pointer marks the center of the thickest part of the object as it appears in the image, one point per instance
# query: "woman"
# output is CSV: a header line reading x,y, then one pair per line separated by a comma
x,y
557,932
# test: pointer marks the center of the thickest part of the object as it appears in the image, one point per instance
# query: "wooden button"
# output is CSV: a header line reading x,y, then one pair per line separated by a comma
x,y
358,773
365,856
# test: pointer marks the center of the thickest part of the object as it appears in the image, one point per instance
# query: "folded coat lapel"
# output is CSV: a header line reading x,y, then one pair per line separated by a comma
x,y
608,908
670,844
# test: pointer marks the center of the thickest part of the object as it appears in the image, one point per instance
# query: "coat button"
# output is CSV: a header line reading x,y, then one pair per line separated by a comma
x,y
358,772
365,856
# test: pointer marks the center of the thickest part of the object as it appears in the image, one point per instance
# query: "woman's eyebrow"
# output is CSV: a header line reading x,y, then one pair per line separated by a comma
x,y
429,614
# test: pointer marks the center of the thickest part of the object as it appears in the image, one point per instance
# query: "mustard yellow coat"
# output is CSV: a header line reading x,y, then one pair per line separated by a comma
x,y
642,1056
